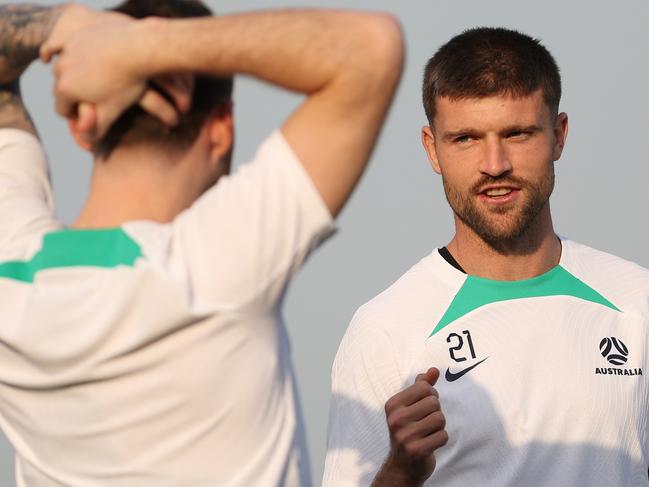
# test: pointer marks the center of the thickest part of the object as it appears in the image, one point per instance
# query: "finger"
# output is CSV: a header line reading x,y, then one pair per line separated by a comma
x,y
63,105
186,82
403,418
430,376
106,116
409,396
48,50
157,105
423,408
427,445
86,122
417,430
179,88
84,125
72,124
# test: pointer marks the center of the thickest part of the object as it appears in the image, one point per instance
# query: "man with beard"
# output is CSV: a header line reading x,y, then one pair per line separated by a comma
x,y
510,357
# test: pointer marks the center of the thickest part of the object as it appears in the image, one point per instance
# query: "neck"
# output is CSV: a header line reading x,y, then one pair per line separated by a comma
x,y
535,252
135,186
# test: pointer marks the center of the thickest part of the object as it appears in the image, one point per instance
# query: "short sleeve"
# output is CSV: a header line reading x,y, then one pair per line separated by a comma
x,y
247,235
364,376
25,192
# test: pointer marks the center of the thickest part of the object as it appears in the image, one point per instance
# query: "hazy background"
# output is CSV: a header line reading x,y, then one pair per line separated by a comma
x,y
398,214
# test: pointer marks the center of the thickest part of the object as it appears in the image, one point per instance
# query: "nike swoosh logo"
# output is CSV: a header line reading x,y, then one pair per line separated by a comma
x,y
453,376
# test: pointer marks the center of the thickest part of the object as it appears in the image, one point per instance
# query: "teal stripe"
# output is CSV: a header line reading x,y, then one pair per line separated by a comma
x,y
105,248
477,292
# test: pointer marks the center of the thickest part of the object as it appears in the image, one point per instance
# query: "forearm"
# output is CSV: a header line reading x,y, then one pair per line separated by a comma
x,y
347,63
23,29
301,51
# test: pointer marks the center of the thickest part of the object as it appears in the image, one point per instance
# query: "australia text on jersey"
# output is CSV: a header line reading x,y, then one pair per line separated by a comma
x,y
615,352
616,371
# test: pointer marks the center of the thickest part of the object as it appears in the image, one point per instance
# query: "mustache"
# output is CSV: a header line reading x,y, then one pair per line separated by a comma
x,y
507,180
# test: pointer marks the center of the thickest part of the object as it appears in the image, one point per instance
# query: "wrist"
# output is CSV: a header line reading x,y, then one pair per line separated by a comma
x,y
149,37
397,475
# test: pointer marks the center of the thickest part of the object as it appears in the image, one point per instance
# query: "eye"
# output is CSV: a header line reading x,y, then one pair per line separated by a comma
x,y
463,139
518,134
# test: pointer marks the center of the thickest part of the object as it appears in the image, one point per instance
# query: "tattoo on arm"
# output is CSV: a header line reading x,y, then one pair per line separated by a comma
x,y
23,29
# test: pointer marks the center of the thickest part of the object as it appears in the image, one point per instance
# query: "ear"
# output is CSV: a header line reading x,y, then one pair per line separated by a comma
x,y
221,132
560,135
428,141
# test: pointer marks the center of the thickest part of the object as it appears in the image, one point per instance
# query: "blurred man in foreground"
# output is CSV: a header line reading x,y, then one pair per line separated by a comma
x,y
144,344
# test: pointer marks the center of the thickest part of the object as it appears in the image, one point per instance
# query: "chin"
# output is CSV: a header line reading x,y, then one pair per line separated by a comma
x,y
508,232
498,228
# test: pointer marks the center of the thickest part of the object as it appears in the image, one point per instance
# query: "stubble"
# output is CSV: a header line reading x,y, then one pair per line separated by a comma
x,y
501,227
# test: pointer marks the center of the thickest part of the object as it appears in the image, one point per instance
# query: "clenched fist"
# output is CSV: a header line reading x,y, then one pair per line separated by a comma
x,y
416,425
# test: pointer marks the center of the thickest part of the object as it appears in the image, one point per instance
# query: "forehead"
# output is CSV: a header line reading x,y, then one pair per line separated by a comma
x,y
490,113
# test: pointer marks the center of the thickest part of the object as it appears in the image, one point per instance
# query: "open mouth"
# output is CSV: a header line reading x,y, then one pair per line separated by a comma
x,y
501,195
498,192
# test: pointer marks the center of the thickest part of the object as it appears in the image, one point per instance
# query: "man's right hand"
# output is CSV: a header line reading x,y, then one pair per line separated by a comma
x,y
416,425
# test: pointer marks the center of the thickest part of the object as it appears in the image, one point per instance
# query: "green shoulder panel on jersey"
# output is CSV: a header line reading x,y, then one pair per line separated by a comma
x,y
76,248
477,292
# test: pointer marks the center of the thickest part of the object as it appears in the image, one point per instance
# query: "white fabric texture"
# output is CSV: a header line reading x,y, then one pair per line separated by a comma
x,y
534,411
172,371
26,201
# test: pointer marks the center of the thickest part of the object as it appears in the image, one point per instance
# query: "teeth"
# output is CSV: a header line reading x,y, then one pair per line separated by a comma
x,y
498,192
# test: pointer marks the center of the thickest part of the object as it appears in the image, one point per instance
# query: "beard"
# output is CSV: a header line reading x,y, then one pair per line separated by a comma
x,y
504,226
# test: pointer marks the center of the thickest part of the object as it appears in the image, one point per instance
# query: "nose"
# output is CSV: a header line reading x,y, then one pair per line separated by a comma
x,y
495,160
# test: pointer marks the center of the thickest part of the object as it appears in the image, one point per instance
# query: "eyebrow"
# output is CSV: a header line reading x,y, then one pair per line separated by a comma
x,y
511,128
458,133
521,128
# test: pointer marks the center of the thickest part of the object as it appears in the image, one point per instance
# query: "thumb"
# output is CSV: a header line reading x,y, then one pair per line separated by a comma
x,y
87,118
82,125
48,50
430,376
85,124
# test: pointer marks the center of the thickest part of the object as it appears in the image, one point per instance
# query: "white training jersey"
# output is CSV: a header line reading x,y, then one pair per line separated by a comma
x,y
543,381
154,354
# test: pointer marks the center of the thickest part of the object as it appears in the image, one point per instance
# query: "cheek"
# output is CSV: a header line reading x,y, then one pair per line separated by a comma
x,y
531,158
459,163
456,175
